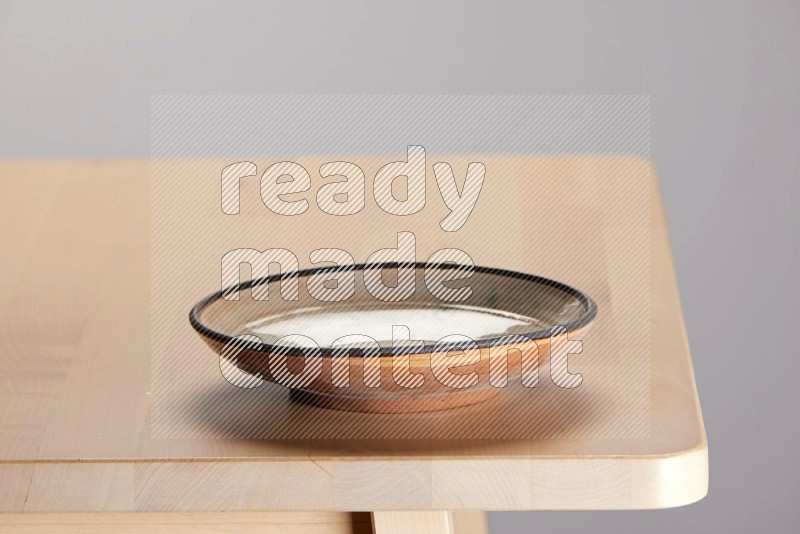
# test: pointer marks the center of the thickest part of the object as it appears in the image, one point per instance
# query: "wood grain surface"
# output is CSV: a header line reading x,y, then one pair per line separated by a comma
x,y
77,380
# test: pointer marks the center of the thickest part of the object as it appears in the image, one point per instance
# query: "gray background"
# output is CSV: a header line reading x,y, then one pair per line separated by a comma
x,y
76,78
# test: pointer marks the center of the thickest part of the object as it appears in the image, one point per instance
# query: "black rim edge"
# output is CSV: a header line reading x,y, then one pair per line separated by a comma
x,y
194,315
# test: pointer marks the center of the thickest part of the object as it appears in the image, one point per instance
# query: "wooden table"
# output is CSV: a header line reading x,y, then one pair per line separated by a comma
x,y
77,452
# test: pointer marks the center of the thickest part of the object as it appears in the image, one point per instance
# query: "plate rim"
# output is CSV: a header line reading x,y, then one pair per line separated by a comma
x,y
590,308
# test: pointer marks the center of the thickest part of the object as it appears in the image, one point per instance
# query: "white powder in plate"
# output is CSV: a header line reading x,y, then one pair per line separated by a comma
x,y
428,324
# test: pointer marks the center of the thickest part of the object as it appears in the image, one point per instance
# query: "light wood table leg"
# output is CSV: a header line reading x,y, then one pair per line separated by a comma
x,y
427,522
461,522
470,522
